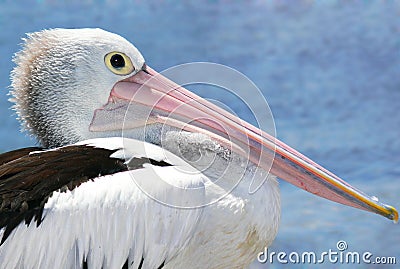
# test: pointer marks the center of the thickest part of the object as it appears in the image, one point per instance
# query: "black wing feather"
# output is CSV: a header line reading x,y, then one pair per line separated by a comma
x,y
28,179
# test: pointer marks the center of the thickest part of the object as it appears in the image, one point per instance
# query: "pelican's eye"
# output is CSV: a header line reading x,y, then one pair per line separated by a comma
x,y
119,63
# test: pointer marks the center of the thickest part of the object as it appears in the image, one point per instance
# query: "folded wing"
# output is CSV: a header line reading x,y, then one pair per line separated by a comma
x,y
84,206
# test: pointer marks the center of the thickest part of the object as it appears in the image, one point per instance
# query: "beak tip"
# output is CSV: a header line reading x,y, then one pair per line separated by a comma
x,y
393,214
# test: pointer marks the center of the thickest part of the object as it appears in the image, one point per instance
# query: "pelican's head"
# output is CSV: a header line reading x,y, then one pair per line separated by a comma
x,y
72,85
63,75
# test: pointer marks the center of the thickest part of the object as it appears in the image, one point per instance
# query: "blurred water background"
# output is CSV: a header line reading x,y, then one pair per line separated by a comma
x,y
330,71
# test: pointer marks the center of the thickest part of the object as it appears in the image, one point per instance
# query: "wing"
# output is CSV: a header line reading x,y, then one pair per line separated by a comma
x,y
131,218
27,181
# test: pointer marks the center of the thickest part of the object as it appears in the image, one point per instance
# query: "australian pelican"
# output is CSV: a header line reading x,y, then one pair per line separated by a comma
x,y
162,196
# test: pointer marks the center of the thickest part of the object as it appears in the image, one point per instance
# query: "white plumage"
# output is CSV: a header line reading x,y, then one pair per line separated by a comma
x,y
110,219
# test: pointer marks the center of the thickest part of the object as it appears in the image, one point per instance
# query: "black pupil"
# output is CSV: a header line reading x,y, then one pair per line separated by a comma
x,y
117,61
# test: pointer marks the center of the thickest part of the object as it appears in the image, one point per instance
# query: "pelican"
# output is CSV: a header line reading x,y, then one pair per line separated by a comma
x,y
172,192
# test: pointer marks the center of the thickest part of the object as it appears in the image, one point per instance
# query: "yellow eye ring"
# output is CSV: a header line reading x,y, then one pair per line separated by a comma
x,y
119,63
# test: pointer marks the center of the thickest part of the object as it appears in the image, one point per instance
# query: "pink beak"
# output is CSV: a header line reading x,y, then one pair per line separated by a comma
x,y
175,106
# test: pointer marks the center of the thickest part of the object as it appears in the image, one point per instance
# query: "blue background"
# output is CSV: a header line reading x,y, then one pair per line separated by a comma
x,y
330,71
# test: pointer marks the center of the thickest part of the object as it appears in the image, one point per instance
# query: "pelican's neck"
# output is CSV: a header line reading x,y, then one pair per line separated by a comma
x,y
250,216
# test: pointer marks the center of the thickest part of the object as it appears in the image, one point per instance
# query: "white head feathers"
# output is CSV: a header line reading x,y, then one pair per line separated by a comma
x,y
61,79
